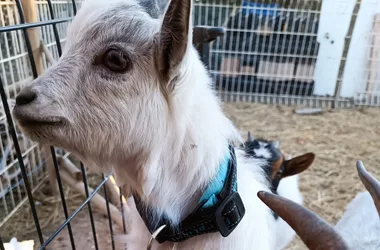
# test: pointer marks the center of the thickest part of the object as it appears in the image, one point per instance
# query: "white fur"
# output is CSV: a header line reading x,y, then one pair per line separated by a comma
x,y
262,152
289,189
360,224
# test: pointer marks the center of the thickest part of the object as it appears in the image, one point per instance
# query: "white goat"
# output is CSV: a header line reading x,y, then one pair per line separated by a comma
x,y
360,224
125,75
283,176
359,228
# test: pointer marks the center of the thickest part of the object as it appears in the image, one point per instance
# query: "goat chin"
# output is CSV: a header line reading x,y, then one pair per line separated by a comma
x,y
289,189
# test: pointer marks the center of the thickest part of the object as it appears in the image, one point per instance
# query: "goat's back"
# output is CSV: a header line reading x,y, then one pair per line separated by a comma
x,y
360,224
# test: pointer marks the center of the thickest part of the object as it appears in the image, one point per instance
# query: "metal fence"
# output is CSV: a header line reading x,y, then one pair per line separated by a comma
x,y
317,53
270,53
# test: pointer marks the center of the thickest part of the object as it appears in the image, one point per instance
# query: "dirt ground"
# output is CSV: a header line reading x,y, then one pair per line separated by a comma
x,y
338,138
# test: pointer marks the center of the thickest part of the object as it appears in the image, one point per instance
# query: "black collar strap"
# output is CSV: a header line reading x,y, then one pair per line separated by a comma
x,y
223,216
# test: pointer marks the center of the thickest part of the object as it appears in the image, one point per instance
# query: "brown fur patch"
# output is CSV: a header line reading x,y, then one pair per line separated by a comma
x,y
276,166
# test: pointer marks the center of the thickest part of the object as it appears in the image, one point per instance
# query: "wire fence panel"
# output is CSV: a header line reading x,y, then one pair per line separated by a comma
x,y
267,50
269,53
15,73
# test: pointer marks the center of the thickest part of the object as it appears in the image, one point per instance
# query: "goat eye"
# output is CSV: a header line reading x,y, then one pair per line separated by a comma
x,y
115,61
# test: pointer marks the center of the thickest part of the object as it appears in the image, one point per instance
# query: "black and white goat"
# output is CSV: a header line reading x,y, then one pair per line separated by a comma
x,y
282,175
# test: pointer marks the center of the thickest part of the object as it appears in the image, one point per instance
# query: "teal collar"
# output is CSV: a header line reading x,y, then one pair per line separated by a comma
x,y
215,187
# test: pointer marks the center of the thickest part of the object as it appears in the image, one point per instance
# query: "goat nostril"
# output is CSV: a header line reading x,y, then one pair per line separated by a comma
x,y
25,96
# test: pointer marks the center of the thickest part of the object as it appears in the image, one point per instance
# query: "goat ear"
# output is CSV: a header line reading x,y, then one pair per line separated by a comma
x,y
298,164
370,183
314,232
174,37
250,137
276,144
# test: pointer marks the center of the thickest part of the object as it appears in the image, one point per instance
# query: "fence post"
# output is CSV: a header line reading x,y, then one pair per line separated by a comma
x,y
31,16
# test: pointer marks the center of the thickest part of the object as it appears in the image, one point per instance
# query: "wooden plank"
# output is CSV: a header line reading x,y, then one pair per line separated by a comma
x,y
31,16
98,201
7,3
51,171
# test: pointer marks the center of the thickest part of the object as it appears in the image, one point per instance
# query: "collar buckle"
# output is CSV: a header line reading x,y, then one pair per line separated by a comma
x,y
229,214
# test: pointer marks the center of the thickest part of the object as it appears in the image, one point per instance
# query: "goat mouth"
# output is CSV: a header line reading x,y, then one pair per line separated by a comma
x,y
37,122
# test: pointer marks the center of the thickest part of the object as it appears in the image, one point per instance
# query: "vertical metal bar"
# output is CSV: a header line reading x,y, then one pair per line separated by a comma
x,y
1,244
89,205
12,131
27,40
56,36
237,63
122,209
217,77
61,192
109,215
74,7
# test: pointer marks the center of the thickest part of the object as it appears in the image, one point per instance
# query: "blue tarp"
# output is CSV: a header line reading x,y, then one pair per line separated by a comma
x,y
249,8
